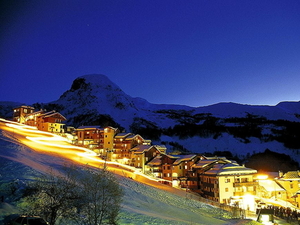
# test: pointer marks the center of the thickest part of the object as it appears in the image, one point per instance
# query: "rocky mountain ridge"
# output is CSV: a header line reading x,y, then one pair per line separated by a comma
x,y
240,129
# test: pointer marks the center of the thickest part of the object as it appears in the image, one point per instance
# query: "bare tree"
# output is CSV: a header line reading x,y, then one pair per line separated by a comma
x,y
54,195
102,197
90,197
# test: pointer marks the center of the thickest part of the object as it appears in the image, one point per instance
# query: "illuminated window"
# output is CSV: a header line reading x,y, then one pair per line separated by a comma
x,y
226,190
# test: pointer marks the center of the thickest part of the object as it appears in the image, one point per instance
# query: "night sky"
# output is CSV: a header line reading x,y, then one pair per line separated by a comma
x,y
185,52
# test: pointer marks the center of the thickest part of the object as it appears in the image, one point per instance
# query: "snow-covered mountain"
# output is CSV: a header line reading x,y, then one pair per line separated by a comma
x,y
97,94
241,129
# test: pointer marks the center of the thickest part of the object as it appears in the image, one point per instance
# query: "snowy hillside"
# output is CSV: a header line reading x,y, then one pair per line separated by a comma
x,y
142,204
242,129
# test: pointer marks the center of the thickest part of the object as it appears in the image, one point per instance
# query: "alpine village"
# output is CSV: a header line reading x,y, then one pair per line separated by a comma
x,y
216,178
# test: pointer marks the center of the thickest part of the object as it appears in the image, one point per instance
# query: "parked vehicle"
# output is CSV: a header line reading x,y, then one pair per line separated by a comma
x,y
28,220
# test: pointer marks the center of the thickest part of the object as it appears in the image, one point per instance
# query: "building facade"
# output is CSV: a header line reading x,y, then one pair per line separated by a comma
x,y
21,113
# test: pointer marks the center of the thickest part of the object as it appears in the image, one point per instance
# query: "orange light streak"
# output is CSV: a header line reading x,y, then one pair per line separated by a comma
x,y
52,143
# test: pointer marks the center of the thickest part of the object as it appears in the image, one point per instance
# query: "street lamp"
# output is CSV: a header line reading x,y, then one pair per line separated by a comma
x,y
107,151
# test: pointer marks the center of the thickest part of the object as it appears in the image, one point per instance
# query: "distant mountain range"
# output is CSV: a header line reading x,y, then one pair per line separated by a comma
x,y
240,129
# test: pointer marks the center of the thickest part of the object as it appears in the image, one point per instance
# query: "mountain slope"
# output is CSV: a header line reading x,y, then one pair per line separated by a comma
x,y
97,93
142,204
242,129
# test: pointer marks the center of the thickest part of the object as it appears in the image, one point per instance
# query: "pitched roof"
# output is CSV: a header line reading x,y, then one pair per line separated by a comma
x,y
37,112
161,148
291,175
132,136
53,114
229,169
204,163
182,158
270,185
24,106
156,161
122,135
141,149
90,127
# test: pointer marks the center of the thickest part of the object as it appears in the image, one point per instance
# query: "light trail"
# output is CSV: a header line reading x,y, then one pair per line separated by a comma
x,y
51,143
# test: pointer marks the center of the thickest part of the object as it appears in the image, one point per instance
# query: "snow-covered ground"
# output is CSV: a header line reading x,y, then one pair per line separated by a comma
x,y
142,204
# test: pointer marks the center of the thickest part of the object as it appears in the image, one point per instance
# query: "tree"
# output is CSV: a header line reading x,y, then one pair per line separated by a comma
x,y
102,198
89,197
53,196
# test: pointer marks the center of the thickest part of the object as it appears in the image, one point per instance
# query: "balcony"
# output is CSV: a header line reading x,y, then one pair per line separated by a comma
x,y
241,193
244,184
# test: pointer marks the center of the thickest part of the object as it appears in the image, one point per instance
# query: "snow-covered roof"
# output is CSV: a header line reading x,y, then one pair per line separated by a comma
x,y
291,175
24,106
204,163
89,127
229,169
141,149
52,114
161,148
132,136
156,161
122,135
37,112
270,185
212,160
182,158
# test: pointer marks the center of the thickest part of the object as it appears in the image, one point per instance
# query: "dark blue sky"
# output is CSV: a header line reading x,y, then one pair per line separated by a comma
x,y
167,51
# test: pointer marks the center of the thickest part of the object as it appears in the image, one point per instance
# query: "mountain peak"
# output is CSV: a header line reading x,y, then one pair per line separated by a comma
x,y
93,81
96,94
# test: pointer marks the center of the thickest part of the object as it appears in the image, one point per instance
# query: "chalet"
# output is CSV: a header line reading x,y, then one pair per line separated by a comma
x,y
99,139
182,164
270,189
45,121
171,167
20,113
290,181
154,166
32,118
123,143
160,166
192,179
142,154
50,122
220,179
90,136
227,180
